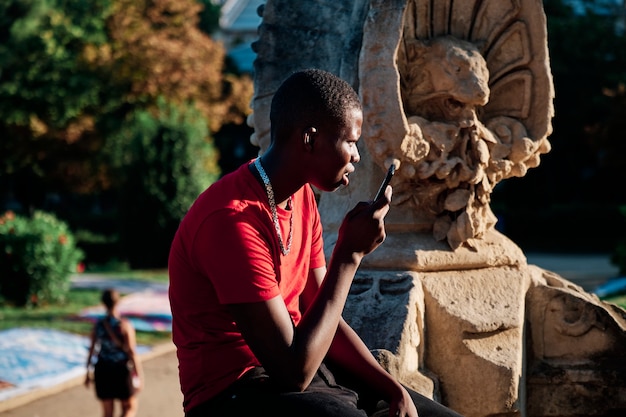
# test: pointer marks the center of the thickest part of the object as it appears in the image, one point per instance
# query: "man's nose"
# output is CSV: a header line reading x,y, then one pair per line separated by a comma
x,y
356,157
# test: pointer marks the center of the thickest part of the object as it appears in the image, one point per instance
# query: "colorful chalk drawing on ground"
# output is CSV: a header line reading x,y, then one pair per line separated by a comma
x,y
145,303
40,358
148,311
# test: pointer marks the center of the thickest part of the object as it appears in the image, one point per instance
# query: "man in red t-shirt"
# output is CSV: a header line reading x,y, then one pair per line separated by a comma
x,y
256,311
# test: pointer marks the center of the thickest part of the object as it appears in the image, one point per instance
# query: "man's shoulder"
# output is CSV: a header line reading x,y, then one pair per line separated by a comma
x,y
232,196
225,192
239,176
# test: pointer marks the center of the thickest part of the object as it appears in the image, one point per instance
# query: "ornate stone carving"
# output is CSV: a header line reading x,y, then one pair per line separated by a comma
x,y
455,143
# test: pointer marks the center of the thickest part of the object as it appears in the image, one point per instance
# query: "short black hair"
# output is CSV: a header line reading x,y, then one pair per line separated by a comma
x,y
311,97
110,297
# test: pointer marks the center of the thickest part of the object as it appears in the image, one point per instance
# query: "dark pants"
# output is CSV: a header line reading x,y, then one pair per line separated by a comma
x,y
255,395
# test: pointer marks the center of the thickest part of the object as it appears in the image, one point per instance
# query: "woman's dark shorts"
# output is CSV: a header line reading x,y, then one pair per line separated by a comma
x,y
112,380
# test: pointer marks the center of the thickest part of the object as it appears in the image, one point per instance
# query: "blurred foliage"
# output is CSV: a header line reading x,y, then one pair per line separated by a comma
x,y
38,255
209,17
588,62
48,94
77,76
45,84
101,249
158,47
54,316
72,71
164,163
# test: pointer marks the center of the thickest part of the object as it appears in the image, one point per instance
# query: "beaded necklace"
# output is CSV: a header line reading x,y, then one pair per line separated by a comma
x,y
270,197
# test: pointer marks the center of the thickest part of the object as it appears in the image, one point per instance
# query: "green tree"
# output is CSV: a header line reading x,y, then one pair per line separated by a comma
x,y
174,70
75,75
209,17
164,160
48,93
70,71
158,47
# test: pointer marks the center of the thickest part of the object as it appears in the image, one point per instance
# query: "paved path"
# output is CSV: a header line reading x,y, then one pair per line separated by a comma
x,y
161,396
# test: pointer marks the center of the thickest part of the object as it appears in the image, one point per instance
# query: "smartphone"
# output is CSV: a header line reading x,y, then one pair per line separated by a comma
x,y
383,186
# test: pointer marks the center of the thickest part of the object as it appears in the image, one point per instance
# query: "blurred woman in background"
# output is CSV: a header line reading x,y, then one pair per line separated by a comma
x,y
117,371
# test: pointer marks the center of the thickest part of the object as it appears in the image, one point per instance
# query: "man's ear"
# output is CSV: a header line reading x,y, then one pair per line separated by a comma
x,y
309,137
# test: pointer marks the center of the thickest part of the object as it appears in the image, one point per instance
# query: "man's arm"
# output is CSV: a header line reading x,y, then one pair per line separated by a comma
x,y
293,354
349,352
352,354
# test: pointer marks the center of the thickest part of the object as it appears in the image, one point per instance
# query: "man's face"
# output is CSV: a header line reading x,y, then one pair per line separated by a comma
x,y
337,152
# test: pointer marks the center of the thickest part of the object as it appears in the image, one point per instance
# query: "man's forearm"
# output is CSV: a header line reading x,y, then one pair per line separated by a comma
x,y
352,354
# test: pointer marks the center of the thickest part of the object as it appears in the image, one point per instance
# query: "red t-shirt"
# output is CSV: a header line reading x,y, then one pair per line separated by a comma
x,y
226,251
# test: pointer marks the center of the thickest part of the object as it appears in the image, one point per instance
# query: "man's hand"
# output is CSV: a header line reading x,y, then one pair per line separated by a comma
x,y
402,405
363,228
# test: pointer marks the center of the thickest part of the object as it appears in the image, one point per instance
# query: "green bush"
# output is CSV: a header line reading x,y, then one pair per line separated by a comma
x,y
38,254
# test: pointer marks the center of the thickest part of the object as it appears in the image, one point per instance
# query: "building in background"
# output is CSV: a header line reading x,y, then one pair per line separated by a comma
x,y
239,23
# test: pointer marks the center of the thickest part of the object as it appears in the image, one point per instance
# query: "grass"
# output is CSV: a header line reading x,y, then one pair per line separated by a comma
x,y
620,300
150,275
64,316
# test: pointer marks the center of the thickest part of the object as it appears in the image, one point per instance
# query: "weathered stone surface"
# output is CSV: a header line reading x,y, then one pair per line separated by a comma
x,y
421,252
475,338
577,350
387,309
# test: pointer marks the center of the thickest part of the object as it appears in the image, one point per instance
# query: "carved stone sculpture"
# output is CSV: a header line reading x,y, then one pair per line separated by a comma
x,y
457,94
471,76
